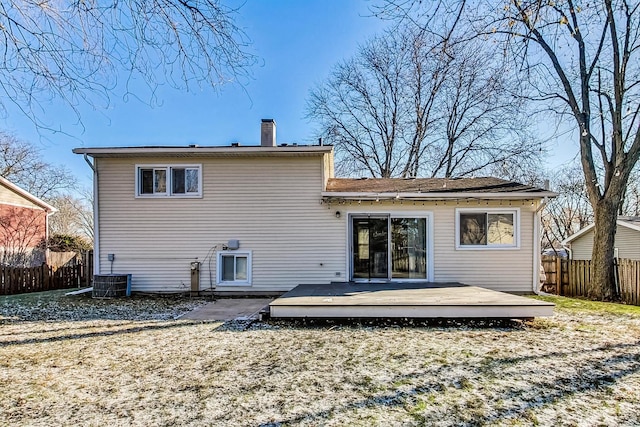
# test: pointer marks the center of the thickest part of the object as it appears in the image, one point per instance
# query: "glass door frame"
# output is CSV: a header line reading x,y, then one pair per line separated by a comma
x,y
352,252
429,233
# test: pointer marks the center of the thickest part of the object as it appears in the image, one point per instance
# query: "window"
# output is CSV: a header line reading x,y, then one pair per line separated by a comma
x,y
234,268
182,180
487,229
185,180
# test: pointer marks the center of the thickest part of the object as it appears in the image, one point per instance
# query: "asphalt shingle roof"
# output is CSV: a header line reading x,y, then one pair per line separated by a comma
x,y
428,185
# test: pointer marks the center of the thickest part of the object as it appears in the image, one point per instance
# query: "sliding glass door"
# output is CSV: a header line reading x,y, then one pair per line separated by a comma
x,y
386,248
370,248
408,243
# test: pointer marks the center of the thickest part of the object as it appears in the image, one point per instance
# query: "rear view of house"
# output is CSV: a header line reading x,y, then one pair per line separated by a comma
x,y
264,219
23,226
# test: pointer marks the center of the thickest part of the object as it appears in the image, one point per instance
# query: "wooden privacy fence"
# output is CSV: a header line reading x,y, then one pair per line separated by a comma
x,y
629,281
17,280
572,278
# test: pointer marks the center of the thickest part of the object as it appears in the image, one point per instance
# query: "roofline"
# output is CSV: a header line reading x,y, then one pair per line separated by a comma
x,y
577,234
627,224
202,150
515,195
589,227
24,193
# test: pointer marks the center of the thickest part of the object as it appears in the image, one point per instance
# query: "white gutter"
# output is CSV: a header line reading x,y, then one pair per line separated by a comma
x,y
96,216
208,150
515,195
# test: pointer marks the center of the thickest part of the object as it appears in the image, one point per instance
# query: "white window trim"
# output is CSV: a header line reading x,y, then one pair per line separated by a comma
x,y
169,175
221,282
493,247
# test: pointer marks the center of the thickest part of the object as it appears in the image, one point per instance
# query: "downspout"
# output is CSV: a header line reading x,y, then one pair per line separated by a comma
x,y
537,218
96,223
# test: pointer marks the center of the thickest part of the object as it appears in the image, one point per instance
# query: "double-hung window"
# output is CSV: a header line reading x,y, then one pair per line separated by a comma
x,y
487,228
169,181
234,268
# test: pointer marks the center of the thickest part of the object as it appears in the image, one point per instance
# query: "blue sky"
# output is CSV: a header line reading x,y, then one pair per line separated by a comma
x,y
297,43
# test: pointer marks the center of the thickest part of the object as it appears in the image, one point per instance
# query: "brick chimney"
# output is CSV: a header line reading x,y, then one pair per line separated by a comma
x,y
268,133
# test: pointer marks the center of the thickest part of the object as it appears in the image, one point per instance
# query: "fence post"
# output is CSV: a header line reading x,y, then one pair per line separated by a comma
x,y
616,278
47,275
558,275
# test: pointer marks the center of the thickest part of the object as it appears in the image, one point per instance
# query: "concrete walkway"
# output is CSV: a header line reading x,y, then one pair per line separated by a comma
x,y
229,309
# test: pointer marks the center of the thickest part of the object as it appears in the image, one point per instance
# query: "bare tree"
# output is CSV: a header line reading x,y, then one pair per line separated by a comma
x,y
363,109
22,163
73,218
411,103
570,211
484,125
73,51
582,62
631,203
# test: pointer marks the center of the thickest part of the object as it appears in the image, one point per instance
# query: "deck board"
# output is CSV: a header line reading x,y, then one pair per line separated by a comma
x,y
399,300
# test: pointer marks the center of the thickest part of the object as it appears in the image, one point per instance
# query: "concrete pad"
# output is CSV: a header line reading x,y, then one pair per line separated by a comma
x,y
229,309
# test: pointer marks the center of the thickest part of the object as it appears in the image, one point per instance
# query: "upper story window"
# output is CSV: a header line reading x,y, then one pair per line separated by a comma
x,y
487,228
172,181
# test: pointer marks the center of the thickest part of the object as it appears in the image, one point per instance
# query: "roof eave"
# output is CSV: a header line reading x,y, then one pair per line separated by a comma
x,y
207,151
629,225
522,195
576,235
589,227
24,193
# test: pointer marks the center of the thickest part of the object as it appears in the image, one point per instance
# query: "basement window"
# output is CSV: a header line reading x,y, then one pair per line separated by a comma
x,y
487,228
168,181
234,268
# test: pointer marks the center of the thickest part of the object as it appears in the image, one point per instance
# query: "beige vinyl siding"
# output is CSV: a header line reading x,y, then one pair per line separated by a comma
x,y
582,247
627,241
271,205
10,197
508,270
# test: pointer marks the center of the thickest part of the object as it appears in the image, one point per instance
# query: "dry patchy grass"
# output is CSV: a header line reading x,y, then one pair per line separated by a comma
x,y
580,367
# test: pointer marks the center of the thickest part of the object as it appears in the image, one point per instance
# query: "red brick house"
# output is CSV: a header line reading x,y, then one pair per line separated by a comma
x,y
24,224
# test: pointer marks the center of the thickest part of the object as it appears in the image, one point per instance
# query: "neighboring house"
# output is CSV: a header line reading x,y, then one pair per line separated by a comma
x,y
626,245
263,219
24,222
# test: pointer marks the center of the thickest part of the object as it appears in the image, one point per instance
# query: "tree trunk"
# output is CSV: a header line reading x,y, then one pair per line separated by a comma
x,y
602,259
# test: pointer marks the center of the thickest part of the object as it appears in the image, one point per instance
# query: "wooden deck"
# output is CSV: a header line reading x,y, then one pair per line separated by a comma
x,y
404,300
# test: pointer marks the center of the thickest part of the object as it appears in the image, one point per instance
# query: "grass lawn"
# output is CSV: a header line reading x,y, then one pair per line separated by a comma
x,y
78,361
